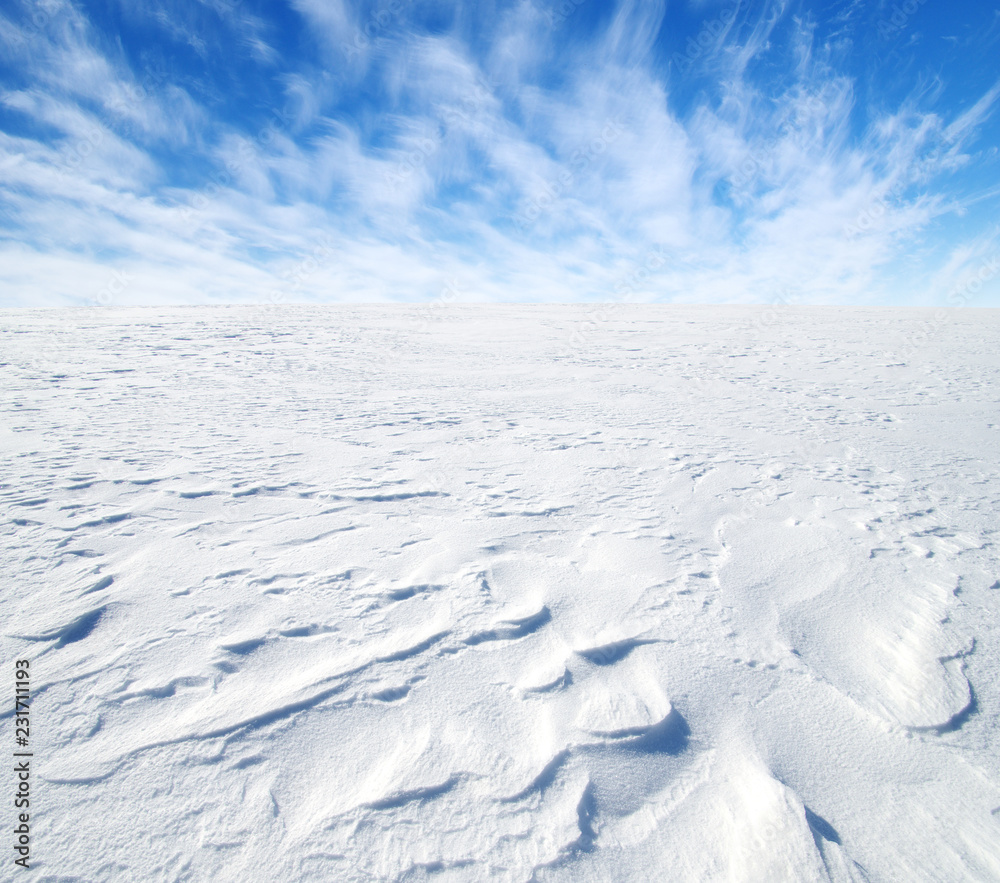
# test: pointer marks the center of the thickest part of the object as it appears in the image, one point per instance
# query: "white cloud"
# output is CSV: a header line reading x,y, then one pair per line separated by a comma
x,y
476,169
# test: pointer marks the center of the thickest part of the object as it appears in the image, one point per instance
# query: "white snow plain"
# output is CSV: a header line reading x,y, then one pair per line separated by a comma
x,y
463,593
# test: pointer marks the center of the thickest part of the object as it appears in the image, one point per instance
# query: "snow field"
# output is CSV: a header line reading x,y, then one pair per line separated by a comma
x,y
343,594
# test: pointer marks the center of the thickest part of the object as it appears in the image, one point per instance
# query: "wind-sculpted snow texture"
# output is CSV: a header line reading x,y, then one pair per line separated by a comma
x,y
506,593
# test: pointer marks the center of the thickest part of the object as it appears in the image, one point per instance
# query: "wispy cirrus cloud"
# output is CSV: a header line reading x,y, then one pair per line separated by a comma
x,y
528,151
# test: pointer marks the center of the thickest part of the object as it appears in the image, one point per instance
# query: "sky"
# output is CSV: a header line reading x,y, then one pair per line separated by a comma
x,y
319,151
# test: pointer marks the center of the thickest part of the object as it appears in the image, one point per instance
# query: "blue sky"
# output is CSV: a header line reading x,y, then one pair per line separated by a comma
x,y
242,151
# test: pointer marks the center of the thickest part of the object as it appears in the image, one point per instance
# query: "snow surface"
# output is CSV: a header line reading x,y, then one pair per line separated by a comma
x,y
517,593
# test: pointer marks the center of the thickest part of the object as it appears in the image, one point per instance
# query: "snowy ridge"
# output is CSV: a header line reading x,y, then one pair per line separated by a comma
x,y
334,594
